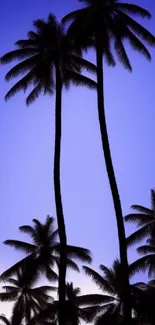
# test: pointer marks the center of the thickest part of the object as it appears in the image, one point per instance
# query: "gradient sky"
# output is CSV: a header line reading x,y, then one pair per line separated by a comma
x,y
27,138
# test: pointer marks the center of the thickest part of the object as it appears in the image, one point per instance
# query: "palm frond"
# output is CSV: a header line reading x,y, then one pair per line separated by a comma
x,y
142,264
72,265
22,67
133,9
8,296
73,15
142,32
22,84
122,55
93,299
139,218
78,80
34,94
8,288
139,235
28,230
142,209
109,58
4,319
137,45
99,280
17,55
13,269
20,245
79,253
83,63
146,249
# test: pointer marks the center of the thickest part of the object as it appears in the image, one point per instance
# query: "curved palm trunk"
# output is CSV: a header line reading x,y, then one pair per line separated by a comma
x,y
59,208
113,184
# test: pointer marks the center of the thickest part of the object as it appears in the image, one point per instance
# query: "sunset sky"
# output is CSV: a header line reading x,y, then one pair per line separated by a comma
x,y
27,139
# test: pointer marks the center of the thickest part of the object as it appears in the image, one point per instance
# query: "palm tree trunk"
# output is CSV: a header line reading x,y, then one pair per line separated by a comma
x,y
59,208
112,181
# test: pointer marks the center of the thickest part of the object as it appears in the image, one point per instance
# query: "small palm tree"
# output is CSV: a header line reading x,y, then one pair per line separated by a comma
x,y
28,300
44,251
49,61
78,308
144,218
108,23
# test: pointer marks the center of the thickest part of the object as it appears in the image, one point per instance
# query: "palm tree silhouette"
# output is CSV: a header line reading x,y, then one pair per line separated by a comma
x,y
110,282
44,251
143,218
50,61
108,23
28,300
77,307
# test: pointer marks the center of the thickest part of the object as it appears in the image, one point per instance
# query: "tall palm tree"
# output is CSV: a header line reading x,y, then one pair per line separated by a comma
x,y
44,251
109,24
49,61
28,300
78,308
144,218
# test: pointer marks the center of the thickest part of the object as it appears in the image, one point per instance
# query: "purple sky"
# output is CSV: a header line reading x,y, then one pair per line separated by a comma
x,y
26,145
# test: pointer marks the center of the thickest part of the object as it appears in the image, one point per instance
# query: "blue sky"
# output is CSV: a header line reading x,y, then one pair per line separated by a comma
x,y
27,139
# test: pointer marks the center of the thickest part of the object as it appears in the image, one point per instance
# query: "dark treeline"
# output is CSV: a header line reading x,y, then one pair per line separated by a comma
x,y
50,60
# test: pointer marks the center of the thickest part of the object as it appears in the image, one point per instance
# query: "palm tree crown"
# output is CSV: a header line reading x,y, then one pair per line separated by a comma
x,y
43,252
111,20
144,218
39,54
28,300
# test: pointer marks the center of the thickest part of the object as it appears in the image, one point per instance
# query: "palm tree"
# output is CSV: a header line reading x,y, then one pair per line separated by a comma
x,y
44,251
28,300
49,61
110,281
78,307
143,218
108,24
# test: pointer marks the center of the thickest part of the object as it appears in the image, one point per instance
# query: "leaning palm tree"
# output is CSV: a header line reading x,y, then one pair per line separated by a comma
x,y
49,61
144,218
43,254
78,308
28,300
109,23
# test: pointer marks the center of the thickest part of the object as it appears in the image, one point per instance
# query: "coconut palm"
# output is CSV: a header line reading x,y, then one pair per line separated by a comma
x,y
44,251
28,300
109,23
144,218
110,282
49,61
78,308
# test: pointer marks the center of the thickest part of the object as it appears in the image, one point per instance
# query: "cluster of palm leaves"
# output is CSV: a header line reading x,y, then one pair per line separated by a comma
x,y
34,304
51,59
